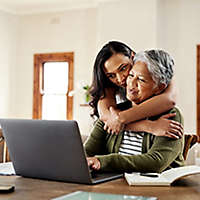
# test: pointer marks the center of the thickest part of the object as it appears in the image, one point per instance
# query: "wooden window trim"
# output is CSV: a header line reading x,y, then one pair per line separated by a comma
x,y
198,91
39,60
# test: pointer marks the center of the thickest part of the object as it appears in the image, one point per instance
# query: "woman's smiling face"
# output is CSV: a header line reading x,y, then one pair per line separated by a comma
x,y
140,85
117,68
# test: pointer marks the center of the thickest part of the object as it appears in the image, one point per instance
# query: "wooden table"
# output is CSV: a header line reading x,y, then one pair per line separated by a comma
x,y
28,189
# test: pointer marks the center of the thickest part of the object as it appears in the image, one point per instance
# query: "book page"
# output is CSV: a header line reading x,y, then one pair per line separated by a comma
x,y
176,173
137,179
163,179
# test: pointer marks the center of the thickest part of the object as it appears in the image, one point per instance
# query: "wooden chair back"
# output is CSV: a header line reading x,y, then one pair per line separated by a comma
x,y
190,140
4,155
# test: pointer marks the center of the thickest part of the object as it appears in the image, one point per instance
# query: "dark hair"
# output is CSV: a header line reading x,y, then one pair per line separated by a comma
x,y
100,80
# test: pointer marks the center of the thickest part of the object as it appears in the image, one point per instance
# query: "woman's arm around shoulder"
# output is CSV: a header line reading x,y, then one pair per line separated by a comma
x,y
151,107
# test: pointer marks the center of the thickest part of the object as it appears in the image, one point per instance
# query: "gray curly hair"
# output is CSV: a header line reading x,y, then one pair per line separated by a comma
x,y
159,63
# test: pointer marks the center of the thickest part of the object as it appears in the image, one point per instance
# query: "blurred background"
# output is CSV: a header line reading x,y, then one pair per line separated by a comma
x,y
83,27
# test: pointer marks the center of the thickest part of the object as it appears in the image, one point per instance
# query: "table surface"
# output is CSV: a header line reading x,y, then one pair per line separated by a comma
x,y
187,188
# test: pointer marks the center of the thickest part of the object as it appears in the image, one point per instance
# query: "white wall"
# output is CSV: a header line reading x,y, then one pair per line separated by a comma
x,y
130,21
168,24
8,40
178,32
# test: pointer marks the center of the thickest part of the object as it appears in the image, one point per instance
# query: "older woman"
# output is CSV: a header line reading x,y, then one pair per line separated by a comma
x,y
144,152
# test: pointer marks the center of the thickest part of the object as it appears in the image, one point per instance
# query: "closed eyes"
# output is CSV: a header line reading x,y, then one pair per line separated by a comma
x,y
138,78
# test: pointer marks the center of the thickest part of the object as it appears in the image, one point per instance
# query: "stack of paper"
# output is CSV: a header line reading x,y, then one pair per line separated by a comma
x,y
7,169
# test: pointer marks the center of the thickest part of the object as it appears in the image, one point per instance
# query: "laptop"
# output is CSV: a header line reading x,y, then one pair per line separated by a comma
x,y
49,149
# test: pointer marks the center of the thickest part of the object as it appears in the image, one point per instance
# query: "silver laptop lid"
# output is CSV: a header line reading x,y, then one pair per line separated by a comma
x,y
46,149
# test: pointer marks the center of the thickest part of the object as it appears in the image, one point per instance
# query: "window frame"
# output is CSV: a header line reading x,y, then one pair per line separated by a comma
x,y
39,60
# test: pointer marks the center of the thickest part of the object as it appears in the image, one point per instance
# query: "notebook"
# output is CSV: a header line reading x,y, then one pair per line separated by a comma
x,y
49,149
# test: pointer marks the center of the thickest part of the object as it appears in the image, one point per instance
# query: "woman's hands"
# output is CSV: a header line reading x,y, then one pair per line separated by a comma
x,y
113,124
167,127
94,163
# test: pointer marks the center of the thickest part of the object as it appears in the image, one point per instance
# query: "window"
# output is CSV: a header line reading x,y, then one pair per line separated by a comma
x,y
53,82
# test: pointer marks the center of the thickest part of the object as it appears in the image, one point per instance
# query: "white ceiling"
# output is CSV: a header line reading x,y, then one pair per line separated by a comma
x,y
39,6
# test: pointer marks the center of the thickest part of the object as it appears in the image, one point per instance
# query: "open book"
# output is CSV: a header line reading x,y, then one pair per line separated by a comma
x,y
166,178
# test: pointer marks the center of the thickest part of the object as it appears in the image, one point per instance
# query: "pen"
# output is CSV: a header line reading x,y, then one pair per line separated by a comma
x,y
153,175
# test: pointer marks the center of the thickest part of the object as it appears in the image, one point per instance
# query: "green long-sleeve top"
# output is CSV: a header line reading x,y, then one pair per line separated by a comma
x,y
158,153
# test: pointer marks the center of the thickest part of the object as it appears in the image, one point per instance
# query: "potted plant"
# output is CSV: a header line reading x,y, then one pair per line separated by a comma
x,y
87,94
